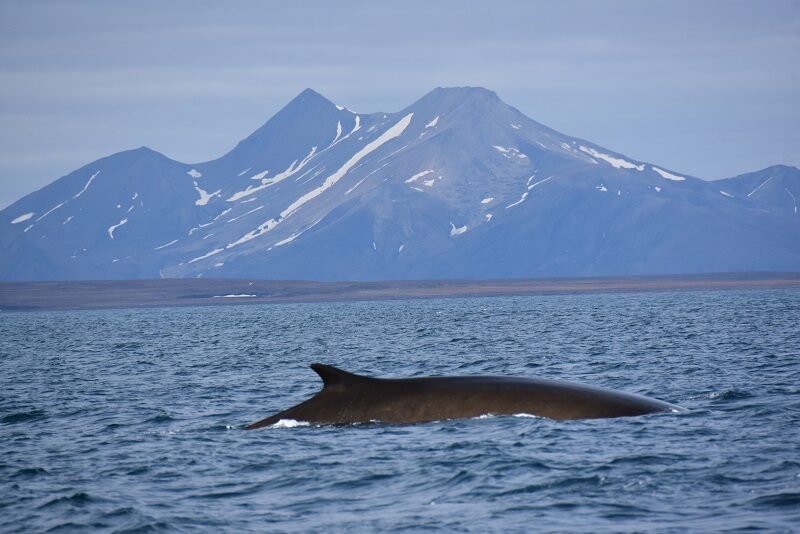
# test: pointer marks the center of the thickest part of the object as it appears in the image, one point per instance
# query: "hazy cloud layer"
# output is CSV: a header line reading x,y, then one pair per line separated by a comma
x,y
705,88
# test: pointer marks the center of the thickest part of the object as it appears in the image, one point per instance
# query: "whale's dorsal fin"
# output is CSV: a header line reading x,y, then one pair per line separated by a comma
x,y
331,376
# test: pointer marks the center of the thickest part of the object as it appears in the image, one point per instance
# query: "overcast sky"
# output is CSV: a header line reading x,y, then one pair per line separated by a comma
x,y
710,89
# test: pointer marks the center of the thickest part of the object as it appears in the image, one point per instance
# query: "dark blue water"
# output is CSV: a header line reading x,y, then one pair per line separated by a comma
x,y
131,420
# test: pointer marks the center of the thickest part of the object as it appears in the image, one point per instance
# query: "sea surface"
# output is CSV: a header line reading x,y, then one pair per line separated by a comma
x,y
131,420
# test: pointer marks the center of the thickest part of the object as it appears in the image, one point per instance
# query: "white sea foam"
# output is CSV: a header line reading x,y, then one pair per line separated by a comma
x,y
290,423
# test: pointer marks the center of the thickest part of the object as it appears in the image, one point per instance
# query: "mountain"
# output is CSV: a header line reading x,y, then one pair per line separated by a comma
x,y
457,185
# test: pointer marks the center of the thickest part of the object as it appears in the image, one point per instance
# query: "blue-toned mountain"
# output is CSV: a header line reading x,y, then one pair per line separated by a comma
x,y
457,185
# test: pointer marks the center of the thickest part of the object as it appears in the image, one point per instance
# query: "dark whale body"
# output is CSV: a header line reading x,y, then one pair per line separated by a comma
x,y
347,398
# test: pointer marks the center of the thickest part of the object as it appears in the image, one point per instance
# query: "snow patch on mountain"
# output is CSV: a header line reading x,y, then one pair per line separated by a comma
x,y
165,245
751,193
207,255
668,175
794,200
364,178
244,214
531,186
418,176
113,227
205,196
331,180
617,163
338,132
287,240
295,235
85,187
520,201
293,169
509,152
51,210
454,231
23,218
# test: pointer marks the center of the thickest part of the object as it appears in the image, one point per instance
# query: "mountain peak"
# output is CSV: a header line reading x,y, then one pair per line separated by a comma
x,y
459,95
782,168
143,153
299,114
466,91
445,99
309,94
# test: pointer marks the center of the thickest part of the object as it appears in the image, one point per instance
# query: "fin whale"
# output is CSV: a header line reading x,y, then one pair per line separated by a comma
x,y
348,398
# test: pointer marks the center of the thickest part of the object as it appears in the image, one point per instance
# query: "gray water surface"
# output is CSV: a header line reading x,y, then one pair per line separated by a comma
x,y
131,420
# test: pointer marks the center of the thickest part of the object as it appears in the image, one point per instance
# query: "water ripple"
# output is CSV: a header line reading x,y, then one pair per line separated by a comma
x,y
131,420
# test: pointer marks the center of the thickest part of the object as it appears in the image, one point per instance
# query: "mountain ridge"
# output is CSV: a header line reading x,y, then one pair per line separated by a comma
x,y
458,184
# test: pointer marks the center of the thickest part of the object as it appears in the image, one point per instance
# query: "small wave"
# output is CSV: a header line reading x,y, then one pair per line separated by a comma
x,y
779,500
23,417
730,394
128,345
79,498
118,512
29,472
161,418
289,423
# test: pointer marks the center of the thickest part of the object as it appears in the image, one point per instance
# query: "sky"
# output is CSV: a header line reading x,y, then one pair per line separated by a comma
x,y
705,88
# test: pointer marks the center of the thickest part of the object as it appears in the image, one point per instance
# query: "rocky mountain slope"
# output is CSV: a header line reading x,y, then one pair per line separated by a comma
x,y
457,185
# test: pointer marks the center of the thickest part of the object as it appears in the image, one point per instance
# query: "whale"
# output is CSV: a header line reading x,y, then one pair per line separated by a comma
x,y
348,398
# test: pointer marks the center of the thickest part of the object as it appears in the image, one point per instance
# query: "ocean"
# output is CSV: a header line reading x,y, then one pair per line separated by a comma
x,y
132,420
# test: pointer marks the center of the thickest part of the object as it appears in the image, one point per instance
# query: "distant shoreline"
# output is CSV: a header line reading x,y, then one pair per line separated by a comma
x,y
106,294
